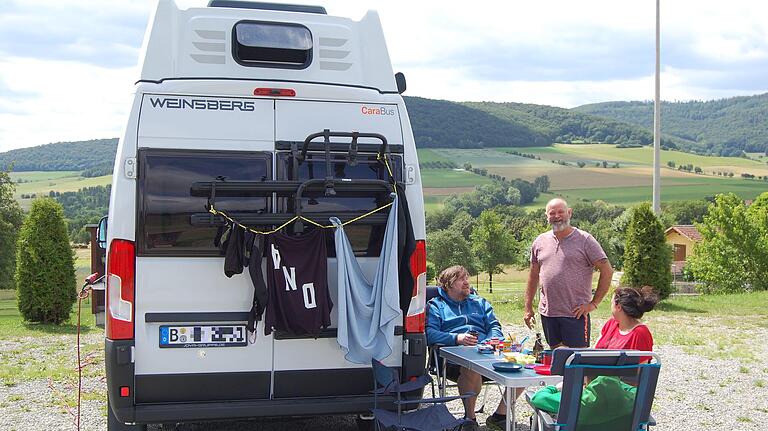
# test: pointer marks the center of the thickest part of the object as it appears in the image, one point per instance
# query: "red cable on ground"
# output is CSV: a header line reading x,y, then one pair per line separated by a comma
x,y
86,290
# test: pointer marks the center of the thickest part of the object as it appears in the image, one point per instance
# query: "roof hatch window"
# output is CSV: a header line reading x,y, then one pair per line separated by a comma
x,y
272,45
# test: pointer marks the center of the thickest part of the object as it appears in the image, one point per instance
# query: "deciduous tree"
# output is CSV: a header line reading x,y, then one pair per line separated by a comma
x,y
448,247
733,253
493,245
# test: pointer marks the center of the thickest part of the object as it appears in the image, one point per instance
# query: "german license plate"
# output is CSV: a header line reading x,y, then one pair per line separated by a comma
x,y
203,336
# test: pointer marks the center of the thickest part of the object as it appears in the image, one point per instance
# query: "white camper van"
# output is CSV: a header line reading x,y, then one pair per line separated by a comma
x,y
262,111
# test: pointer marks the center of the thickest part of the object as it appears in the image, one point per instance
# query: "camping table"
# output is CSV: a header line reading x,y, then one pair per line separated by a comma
x,y
480,363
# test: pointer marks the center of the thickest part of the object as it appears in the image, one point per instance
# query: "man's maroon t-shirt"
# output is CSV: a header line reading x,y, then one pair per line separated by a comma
x,y
566,268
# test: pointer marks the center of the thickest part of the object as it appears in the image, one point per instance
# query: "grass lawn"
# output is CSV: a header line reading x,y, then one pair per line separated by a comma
x,y
711,326
45,351
48,351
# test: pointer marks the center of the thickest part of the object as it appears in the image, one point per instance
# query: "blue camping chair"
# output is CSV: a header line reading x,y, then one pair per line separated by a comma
x,y
627,412
386,382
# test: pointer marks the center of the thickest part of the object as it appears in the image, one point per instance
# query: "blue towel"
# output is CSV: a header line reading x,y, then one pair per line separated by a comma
x,y
368,312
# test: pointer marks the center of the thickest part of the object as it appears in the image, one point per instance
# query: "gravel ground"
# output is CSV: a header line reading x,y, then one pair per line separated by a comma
x,y
693,393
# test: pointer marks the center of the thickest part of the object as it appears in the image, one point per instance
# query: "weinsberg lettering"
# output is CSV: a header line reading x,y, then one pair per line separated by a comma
x,y
208,104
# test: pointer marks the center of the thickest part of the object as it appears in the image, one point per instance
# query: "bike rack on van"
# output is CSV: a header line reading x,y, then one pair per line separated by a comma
x,y
297,189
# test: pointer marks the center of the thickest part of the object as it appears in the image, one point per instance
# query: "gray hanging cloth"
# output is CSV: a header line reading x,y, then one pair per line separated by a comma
x,y
368,312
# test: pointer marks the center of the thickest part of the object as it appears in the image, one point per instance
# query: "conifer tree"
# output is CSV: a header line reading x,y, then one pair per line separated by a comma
x,y
647,256
45,267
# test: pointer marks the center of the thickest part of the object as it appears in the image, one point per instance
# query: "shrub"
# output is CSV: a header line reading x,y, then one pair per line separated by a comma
x,y
431,273
45,268
733,253
647,257
11,218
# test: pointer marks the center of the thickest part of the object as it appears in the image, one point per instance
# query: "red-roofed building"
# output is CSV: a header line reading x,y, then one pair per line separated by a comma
x,y
682,238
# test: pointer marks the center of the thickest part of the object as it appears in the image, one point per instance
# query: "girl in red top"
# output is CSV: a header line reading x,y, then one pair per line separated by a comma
x,y
625,330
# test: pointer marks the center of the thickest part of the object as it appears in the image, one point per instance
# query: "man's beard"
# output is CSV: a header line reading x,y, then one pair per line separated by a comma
x,y
561,225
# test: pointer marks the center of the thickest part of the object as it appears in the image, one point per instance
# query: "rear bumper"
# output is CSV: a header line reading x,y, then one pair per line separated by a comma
x,y
253,409
205,397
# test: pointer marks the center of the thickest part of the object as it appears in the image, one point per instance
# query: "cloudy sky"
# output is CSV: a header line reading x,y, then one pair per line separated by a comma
x,y
67,66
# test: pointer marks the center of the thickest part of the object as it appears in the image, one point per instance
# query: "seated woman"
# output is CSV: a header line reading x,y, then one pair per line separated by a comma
x,y
607,402
457,317
624,330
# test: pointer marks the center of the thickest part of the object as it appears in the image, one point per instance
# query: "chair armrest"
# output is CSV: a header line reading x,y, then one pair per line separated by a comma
x,y
438,400
549,421
529,395
408,386
417,383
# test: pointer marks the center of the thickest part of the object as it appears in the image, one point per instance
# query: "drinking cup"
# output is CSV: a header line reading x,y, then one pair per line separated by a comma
x,y
547,357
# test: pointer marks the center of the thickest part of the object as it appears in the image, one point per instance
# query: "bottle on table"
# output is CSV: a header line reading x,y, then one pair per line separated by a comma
x,y
538,349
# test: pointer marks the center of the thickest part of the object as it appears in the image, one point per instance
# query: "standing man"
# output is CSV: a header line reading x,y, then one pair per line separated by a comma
x,y
562,261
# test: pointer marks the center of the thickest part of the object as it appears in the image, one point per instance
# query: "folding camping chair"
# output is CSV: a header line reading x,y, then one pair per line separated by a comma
x,y
614,410
386,381
435,366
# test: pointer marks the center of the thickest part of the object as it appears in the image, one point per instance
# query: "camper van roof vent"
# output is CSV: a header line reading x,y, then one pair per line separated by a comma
x,y
241,4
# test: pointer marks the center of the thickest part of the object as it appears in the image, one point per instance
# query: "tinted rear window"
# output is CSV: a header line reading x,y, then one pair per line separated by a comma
x,y
165,203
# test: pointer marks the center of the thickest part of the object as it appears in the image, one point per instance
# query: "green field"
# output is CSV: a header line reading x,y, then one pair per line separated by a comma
x,y
426,156
479,158
440,178
38,176
630,195
628,184
640,156
40,183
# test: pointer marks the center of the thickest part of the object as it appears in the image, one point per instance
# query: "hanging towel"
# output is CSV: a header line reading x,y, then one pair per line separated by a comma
x,y
368,312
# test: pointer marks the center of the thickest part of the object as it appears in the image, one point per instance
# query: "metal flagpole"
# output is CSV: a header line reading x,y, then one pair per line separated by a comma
x,y
657,123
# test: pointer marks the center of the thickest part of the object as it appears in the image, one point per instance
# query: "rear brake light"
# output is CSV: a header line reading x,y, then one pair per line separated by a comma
x,y
275,92
415,319
121,268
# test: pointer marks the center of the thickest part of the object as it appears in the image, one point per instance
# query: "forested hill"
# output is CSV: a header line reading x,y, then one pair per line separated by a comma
x,y
96,154
440,123
721,127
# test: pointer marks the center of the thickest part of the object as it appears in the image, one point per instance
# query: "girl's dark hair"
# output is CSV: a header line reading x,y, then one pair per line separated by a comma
x,y
636,302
